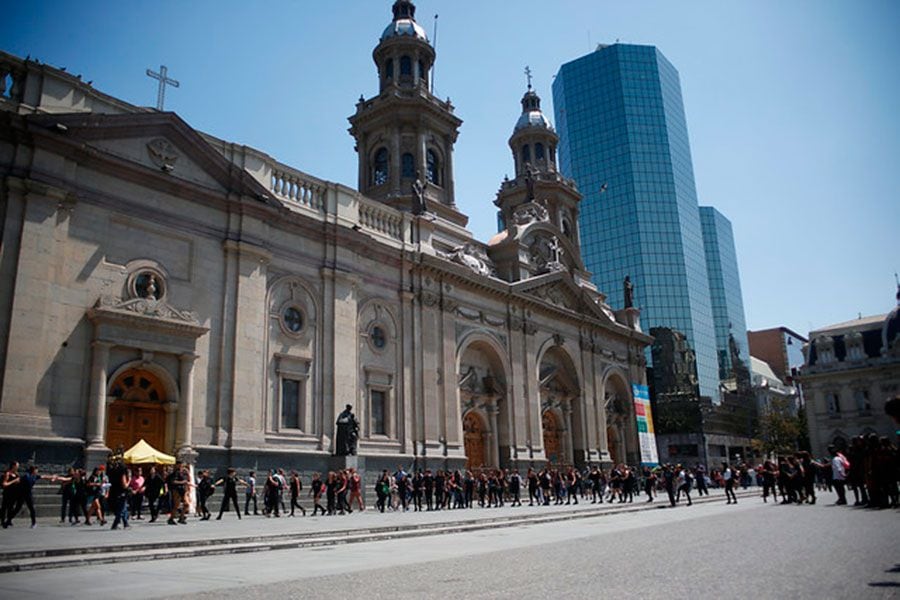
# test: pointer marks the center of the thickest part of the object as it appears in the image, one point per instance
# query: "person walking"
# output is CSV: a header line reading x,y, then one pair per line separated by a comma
x,y
119,481
205,489
153,490
251,494
136,487
687,480
177,484
25,495
728,478
296,487
315,490
839,468
231,482
649,483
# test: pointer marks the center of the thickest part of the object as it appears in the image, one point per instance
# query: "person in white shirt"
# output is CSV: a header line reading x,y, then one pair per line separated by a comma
x,y
728,476
839,466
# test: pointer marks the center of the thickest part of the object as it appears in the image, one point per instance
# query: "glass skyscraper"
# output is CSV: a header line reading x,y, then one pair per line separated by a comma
x,y
623,138
724,288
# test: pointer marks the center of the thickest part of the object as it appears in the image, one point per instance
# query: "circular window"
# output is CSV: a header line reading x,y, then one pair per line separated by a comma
x,y
292,319
150,285
378,337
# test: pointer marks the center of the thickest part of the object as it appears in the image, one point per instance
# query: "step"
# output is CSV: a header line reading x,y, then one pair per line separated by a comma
x,y
53,558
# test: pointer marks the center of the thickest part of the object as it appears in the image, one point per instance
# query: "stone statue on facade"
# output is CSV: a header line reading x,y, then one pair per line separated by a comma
x,y
529,182
418,198
474,257
628,289
347,433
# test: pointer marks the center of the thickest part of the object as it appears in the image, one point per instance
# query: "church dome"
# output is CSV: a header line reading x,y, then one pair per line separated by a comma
x,y
404,23
404,27
532,115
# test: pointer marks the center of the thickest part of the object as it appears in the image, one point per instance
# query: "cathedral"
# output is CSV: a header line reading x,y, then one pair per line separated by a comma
x,y
159,283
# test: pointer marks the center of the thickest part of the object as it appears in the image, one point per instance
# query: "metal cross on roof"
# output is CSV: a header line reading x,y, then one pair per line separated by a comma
x,y
163,82
528,75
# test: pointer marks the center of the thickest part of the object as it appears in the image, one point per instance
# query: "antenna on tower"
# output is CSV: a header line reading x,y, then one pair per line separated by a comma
x,y
434,45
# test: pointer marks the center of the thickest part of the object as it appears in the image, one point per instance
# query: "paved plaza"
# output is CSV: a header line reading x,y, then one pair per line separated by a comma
x,y
709,550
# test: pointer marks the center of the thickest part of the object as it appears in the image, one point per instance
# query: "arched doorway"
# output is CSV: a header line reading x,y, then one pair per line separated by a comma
x,y
621,429
552,438
137,410
482,397
561,417
473,440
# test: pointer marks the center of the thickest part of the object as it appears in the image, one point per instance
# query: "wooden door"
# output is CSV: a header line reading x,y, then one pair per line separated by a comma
x,y
552,442
473,440
138,411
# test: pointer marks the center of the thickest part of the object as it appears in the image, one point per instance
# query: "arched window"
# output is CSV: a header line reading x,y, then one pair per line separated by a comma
x,y
433,167
389,69
567,229
380,173
423,73
526,154
407,166
539,151
405,65
553,154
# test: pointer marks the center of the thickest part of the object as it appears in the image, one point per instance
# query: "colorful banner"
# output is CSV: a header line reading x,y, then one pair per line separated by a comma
x,y
644,418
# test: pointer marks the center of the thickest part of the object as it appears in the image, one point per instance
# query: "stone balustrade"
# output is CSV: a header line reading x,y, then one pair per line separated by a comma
x,y
298,187
13,73
377,217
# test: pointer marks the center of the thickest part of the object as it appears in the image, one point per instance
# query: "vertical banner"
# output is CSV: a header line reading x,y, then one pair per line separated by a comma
x,y
644,418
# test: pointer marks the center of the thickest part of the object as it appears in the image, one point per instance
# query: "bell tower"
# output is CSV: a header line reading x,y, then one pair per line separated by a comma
x,y
405,135
539,207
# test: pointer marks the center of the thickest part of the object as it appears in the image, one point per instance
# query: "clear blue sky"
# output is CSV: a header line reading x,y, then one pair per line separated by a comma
x,y
792,106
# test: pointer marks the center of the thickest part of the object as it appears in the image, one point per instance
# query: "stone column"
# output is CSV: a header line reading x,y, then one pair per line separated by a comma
x,y
569,438
96,414
185,420
394,167
448,172
492,411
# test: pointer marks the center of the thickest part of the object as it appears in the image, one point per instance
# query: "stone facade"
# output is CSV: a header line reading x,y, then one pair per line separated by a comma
x,y
158,282
852,369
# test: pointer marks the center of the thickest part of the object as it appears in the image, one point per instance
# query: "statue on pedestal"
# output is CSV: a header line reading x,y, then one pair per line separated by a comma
x,y
347,433
628,288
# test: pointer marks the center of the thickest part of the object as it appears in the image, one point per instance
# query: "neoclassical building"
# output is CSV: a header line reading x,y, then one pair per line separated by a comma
x,y
852,369
159,283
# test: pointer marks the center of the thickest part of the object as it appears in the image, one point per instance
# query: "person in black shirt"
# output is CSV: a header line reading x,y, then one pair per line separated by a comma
x,y
439,490
428,486
417,482
231,482
315,490
25,495
177,483
296,487
205,489
153,487
533,486
11,486
119,481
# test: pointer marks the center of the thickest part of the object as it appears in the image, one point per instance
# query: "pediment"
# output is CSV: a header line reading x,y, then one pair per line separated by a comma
x,y
560,290
161,143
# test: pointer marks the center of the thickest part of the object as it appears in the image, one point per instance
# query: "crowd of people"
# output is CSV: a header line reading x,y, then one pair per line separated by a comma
x,y
116,491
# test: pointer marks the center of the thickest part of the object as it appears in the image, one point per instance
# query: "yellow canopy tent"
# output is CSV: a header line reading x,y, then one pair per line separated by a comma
x,y
143,453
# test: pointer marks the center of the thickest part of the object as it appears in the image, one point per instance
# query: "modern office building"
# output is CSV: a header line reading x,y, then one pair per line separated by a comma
x,y
623,139
725,291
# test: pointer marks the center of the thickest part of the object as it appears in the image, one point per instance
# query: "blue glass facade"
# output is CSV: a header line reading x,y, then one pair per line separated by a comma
x,y
621,123
724,288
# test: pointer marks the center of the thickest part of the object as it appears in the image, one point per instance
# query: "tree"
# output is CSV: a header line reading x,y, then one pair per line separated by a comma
x,y
779,429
